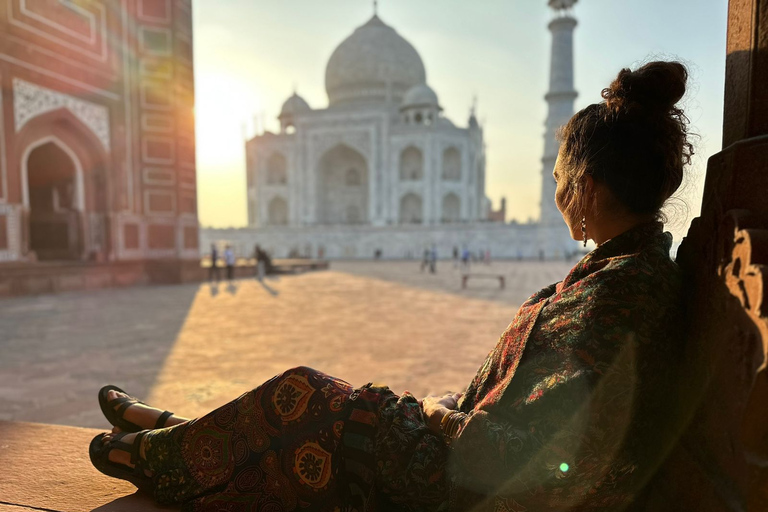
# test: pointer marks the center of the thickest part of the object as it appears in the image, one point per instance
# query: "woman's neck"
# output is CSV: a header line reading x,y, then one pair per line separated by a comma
x,y
603,229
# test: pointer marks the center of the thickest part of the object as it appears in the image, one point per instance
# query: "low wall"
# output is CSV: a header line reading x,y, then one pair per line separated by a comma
x,y
17,279
62,276
507,241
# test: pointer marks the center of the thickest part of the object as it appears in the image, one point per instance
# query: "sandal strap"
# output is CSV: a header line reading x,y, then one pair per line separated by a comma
x,y
160,423
117,443
124,405
136,459
121,399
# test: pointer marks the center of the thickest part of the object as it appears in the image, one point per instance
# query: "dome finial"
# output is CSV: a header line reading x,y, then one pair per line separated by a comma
x,y
375,7
562,6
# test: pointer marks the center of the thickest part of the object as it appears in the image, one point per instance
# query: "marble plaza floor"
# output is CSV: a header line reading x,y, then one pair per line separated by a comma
x,y
191,348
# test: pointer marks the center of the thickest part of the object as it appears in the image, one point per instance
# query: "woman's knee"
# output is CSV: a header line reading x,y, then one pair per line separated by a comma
x,y
300,370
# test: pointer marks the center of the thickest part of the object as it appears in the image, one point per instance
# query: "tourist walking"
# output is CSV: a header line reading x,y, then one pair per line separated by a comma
x,y
229,260
261,268
575,408
213,271
425,260
433,260
465,255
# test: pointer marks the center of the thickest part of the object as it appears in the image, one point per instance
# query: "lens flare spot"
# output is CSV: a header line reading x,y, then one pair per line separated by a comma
x,y
564,467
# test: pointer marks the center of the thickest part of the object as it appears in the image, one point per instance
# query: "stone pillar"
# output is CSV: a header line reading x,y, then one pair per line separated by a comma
x,y
720,463
560,100
431,180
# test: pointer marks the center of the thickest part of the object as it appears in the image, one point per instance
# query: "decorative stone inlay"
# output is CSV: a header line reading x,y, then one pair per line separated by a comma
x,y
358,140
31,100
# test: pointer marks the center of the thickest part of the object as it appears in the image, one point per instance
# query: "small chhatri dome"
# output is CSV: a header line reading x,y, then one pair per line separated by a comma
x,y
373,65
420,95
294,105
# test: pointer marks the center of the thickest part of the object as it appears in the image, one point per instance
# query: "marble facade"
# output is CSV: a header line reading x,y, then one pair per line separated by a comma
x,y
380,168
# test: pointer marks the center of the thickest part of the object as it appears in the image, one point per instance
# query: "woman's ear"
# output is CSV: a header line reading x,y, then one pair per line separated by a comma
x,y
589,186
589,192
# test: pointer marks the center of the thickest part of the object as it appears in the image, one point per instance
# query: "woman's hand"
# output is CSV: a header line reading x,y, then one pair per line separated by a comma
x,y
435,407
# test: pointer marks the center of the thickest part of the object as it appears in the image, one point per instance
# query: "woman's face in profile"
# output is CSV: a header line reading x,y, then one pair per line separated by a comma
x,y
562,200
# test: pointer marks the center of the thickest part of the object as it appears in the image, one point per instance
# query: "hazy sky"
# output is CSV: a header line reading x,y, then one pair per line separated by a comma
x,y
249,55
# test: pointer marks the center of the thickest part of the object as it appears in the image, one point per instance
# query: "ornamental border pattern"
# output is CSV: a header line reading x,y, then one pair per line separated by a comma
x,y
31,100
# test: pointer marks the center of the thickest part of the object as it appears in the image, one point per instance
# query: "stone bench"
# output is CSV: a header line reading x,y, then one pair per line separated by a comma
x,y
46,467
465,278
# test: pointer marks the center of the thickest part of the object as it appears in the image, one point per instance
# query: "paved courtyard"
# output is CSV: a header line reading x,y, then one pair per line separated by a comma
x,y
191,348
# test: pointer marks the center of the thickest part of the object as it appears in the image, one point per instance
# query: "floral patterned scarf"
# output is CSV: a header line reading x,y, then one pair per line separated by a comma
x,y
573,408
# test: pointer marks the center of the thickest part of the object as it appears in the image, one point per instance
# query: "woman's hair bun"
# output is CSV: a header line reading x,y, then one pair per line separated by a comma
x,y
655,87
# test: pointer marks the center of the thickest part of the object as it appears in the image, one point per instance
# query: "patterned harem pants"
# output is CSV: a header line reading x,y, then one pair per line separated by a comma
x,y
301,441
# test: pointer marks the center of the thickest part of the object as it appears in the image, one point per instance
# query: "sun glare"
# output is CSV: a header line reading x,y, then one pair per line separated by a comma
x,y
223,115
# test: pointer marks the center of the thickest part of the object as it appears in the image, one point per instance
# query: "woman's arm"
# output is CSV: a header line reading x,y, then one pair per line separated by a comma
x,y
565,440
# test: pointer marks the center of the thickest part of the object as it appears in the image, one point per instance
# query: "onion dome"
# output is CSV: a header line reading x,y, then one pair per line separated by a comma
x,y
420,96
294,105
373,65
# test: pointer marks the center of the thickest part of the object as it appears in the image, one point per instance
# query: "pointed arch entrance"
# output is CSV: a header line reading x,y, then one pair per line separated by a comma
x,y
55,200
342,186
65,189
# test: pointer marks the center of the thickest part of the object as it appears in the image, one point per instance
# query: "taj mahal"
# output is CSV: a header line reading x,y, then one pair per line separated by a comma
x,y
380,169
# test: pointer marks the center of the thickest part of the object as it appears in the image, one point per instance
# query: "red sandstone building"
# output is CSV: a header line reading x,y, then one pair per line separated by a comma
x,y
97,159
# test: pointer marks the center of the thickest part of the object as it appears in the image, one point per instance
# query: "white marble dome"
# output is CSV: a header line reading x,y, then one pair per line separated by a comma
x,y
375,64
420,95
294,105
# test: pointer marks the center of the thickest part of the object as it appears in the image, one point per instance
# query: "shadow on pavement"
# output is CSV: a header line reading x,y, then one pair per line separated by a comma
x,y
132,502
271,291
64,347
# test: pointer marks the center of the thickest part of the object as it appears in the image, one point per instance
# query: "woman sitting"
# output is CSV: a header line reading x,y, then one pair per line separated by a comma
x,y
574,409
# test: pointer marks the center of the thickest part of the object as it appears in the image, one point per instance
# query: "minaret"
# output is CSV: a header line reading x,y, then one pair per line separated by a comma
x,y
560,99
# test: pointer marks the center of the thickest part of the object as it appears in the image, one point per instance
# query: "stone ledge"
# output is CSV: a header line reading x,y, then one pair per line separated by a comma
x,y
46,467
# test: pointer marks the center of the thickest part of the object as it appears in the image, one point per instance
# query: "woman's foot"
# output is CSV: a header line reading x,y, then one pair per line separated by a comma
x,y
122,456
140,414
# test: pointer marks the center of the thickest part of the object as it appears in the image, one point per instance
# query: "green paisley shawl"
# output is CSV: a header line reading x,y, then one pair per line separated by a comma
x,y
574,408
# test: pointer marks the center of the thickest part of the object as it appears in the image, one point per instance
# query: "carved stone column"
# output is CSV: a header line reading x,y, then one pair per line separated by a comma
x,y
721,461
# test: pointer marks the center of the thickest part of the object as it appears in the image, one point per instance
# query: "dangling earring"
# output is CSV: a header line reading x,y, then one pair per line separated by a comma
x,y
584,229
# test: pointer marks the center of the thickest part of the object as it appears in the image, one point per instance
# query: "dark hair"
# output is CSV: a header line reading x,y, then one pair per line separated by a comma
x,y
635,142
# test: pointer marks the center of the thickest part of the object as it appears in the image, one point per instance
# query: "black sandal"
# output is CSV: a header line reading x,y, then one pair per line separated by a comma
x,y
115,416
99,453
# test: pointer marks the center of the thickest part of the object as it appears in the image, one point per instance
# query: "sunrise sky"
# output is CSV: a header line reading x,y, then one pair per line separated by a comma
x,y
250,54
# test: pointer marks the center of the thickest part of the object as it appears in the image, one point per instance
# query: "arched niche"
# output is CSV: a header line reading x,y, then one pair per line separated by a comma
x,y
277,212
277,169
58,138
411,209
54,194
353,178
342,186
411,164
451,164
354,215
451,208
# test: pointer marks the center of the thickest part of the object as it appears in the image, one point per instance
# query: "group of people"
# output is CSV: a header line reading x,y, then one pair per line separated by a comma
x,y
262,268
429,260
229,263
465,256
468,256
574,409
